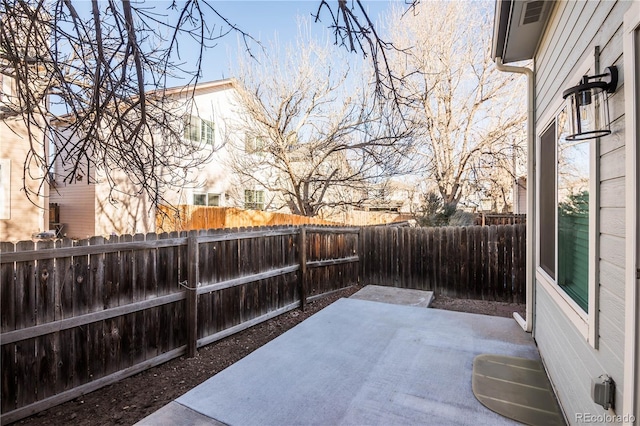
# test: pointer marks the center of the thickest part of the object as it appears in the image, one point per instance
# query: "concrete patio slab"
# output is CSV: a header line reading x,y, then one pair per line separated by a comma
x,y
178,414
359,362
396,296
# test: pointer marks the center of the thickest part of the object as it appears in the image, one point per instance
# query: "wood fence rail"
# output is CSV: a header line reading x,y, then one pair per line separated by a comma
x,y
488,219
76,316
477,262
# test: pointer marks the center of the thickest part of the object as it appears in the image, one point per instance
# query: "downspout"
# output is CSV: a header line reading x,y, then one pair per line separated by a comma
x,y
527,323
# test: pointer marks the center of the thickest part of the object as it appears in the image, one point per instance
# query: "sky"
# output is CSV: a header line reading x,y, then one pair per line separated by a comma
x,y
265,20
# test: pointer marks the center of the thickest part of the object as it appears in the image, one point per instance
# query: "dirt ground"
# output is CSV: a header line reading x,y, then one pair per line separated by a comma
x,y
134,398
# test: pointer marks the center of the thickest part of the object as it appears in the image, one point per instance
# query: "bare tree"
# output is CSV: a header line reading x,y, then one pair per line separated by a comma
x,y
311,135
86,75
468,113
354,29
90,76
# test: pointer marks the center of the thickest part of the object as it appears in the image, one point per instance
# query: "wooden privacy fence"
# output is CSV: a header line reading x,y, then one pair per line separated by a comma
x,y
78,316
488,219
188,217
478,262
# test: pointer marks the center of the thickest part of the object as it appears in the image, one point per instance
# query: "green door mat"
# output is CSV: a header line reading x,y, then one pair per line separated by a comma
x,y
517,388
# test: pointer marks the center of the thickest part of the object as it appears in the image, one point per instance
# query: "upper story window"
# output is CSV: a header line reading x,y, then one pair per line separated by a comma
x,y
253,144
199,130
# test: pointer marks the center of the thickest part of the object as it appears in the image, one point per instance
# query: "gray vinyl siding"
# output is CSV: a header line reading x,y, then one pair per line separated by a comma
x,y
575,28
569,360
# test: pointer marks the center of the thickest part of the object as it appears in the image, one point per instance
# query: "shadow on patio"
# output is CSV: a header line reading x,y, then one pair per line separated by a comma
x,y
359,362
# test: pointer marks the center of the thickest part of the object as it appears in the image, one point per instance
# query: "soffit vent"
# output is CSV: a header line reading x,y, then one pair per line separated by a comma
x,y
532,12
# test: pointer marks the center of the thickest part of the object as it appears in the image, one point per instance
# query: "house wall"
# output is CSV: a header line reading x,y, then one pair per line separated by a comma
x,y
77,209
520,196
20,217
213,175
93,209
121,213
575,28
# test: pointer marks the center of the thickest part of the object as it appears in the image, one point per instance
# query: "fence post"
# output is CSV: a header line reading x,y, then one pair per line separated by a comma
x,y
192,295
360,252
302,250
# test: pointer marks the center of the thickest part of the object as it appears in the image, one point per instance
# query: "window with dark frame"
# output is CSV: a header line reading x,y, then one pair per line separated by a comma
x,y
547,173
564,175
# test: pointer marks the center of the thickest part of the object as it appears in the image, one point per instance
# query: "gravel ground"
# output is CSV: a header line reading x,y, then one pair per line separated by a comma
x,y
134,398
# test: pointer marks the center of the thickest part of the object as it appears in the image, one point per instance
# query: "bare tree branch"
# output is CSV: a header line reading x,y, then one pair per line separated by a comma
x,y
312,138
465,111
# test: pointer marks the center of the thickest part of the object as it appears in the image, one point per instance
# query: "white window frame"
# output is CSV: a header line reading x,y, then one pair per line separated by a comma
x,y
255,192
585,322
254,144
207,198
198,194
206,128
211,195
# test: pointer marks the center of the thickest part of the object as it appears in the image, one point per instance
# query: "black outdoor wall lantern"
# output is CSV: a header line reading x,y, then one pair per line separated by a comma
x,y
588,106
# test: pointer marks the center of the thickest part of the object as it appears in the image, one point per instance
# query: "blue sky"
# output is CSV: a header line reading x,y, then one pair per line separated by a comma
x,y
264,20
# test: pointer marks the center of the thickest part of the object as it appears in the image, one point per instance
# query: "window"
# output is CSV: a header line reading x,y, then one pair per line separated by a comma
x,y
213,200
573,219
253,144
547,207
197,129
564,180
253,200
199,199
209,199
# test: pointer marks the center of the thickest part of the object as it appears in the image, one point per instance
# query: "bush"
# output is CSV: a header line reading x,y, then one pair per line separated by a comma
x,y
462,218
433,212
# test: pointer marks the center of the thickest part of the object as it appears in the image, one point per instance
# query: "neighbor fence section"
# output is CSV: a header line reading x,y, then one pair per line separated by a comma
x,y
188,217
477,262
488,219
78,316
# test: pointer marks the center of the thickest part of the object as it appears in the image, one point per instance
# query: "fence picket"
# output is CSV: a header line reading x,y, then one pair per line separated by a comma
x,y
140,282
8,291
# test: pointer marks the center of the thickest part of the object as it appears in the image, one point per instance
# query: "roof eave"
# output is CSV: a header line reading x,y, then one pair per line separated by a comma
x,y
516,36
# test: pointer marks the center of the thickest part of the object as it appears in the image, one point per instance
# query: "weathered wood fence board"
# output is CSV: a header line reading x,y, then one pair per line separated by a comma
x,y
78,316
488,219
478,262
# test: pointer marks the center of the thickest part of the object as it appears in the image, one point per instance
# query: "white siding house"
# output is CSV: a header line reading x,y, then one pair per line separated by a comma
x,y
88,207
583,304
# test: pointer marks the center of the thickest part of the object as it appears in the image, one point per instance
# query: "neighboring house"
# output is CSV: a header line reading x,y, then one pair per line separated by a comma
x,y
393,196
88,207
583,230
20,216
520,195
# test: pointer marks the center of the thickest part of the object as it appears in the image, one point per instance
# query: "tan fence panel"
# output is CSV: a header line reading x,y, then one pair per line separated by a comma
x,y
188,217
